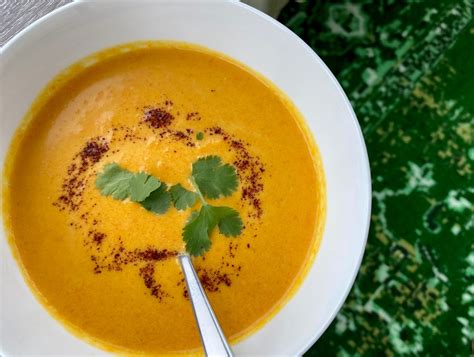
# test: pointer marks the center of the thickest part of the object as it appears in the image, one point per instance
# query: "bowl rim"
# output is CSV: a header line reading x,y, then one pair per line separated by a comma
x,y
364,155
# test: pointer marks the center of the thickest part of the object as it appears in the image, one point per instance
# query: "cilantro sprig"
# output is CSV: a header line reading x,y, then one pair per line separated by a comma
x,y
210,179
145,189
213,178
182,198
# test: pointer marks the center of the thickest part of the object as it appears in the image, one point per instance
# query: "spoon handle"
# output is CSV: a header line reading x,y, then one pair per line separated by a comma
x,y
213,339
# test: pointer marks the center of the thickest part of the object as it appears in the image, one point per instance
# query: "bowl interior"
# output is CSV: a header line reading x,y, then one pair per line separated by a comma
x,y
37,54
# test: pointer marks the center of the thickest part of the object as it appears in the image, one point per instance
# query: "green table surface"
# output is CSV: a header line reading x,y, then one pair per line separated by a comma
x,y
408,69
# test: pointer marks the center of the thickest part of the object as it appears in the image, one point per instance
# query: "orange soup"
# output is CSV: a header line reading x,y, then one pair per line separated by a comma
x,y
107,268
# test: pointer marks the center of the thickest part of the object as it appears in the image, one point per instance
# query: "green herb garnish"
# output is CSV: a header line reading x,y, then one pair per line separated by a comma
x,y
200,135
200,224
197,230
158,201
182,198
210,178
142,185
214,178
121,184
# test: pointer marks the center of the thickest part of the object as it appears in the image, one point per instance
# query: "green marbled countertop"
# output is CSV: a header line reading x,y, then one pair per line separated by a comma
x,y
408,69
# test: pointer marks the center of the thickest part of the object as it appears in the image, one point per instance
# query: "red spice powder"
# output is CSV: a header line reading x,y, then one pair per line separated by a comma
x,y
211,279
182,136
194,116
77,173
147,273
97,237
118,256
158,117
94,150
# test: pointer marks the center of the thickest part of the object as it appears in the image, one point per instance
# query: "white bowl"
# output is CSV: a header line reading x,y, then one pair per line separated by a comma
x,y
38,53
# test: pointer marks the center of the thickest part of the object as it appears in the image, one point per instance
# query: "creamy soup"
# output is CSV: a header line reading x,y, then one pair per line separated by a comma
x,y
107,268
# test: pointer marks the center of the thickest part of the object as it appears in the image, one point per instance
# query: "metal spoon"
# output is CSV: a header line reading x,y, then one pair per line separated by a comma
x,y
213,339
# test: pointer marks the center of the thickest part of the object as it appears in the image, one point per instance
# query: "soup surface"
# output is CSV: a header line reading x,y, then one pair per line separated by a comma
x,y
107,268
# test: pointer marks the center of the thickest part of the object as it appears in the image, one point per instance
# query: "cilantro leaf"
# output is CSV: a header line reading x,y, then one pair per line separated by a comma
x,y
141,185
114,181
214,178
182,198
158,201
230,223
197,230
